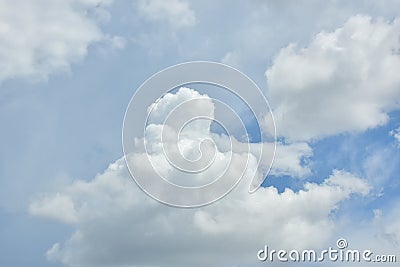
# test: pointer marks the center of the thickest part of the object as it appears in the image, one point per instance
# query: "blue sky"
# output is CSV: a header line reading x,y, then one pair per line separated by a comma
x,y
64,91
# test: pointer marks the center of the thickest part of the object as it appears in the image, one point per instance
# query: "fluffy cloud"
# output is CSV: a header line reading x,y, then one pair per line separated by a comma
x,y
113,216
117,224
167,133
343,81
177,13
292,159
41,37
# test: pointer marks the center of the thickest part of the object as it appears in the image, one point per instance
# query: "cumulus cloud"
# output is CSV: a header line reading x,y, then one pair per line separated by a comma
x,y
41,37
343,81
292,159
112,215
166,130
177,13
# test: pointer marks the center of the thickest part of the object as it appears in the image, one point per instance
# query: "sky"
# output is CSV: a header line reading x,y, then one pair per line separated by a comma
x,y
69,68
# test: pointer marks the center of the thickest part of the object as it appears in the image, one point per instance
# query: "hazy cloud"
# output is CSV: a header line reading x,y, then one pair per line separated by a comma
x,y
177,13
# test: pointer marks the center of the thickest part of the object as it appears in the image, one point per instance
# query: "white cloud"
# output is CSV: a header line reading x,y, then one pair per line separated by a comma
x,y
348,182
292,160
396,134
112,215
50,207
343,81
41,37
177,13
